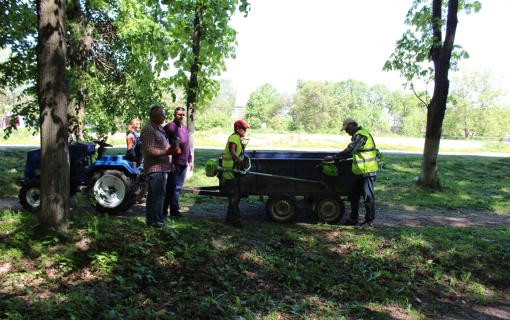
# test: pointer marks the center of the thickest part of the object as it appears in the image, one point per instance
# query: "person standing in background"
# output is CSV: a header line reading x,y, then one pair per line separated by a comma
x,y
157,163
133,141
177,133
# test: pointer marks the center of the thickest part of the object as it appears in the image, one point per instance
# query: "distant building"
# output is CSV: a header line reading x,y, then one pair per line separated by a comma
x,y
4,122
238,113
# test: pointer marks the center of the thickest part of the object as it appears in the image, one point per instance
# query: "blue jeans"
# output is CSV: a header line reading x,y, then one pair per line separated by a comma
x,y
155,198
174,185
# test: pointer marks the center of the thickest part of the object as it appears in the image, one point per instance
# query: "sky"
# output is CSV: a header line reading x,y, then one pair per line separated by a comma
x,y
282,41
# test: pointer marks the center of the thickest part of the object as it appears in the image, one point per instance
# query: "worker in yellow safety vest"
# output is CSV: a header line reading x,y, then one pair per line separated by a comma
x,y
233,158
364,166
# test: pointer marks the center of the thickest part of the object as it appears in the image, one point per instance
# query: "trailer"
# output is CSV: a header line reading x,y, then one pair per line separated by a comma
x,y
283,176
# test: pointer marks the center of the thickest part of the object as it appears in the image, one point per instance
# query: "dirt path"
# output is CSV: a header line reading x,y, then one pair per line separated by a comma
x,y
254,211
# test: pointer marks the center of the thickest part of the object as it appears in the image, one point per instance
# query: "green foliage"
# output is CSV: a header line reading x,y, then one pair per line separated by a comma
x,y
408,114
216,113
412,52
282,123
225,101
117,53
260,104
316,107
475,96
202,41
210,119
426,54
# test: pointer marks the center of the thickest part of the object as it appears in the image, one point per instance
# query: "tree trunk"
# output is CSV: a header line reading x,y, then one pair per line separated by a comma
x,y
193,81
441,55
52,97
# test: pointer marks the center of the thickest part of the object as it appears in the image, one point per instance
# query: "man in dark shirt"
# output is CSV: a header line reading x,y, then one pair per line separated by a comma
x,y
181,162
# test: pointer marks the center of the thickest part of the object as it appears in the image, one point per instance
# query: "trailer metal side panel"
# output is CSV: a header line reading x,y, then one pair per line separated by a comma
x,y
300,165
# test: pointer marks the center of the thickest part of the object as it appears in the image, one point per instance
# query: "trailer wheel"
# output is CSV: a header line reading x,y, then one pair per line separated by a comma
x,y
281,207
30,195
110,191
328,208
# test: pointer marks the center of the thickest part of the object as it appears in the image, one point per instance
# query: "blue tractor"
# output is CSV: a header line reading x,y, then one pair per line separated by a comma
x,y
113,183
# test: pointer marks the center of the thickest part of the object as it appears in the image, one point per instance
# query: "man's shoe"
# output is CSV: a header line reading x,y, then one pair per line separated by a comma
x,y
176,215
351,222
367,223
238,225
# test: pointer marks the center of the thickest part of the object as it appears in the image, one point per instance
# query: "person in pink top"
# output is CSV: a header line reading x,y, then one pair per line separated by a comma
x,y
134,144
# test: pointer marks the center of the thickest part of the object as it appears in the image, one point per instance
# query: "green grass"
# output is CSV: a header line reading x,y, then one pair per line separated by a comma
x,y
105,267
467,182
20,136
12,167
205,269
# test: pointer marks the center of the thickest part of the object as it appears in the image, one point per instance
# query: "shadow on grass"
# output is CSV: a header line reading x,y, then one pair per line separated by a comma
x,y
118,268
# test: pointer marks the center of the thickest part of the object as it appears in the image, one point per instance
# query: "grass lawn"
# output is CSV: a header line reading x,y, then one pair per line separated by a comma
x,y
106,267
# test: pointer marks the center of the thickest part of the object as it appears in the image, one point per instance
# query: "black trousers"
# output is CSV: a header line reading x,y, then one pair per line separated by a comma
x,y
363,187
234,196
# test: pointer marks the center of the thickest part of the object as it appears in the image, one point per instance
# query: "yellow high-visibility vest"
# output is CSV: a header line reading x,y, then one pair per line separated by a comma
x,y
227,161
364,159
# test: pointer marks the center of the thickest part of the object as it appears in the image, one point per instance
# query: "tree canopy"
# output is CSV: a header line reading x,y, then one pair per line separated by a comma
x,y
430,20
117,52
475,106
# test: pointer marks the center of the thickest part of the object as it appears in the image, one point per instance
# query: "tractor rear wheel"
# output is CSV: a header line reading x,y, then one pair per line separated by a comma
x,y
282,207
110,191
30,195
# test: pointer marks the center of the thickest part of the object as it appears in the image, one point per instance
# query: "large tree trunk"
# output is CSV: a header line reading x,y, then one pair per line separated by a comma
x,y
193,81
441,55
52,96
